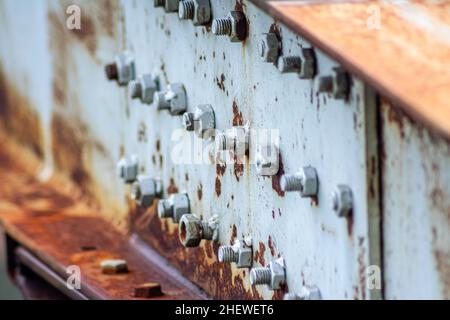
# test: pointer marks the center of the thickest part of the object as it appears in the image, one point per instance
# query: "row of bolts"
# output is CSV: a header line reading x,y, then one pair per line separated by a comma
x,y
191,228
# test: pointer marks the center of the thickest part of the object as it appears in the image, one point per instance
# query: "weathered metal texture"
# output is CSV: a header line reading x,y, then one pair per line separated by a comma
x,y
416,209
61,230
401,48
87,123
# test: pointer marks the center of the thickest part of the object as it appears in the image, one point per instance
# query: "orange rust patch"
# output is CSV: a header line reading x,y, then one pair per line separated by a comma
x,y
172,188
218,186
238,120
276,179
18,118
259,254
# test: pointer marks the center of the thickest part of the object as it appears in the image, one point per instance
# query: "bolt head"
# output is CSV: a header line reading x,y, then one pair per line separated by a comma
x,y
269,47
342,200
164,209
190,230
310,184
144,190
267,160
278,274
148,86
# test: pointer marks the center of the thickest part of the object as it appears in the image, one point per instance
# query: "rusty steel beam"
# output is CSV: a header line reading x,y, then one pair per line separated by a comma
x,y
401,48
57,230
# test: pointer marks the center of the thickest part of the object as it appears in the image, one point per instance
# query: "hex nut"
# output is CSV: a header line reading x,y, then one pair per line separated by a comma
x,y
201,120
144,190
158,3
269,47
148,290
267,160
337,84
309,182
144,88
190,230
114,266
174,207
307,293
126,70
171,5
174,99
342,200
308,70
199,11
127,168
278,272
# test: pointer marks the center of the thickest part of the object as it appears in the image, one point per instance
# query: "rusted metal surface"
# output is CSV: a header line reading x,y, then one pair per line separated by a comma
x,y
405,57
416,208
88,123
61,230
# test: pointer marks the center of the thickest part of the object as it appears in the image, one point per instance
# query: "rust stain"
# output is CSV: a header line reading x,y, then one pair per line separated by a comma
x,y
271,246
233,234
238,167
17,113
73,234
276,179
172,188
259,254
220,169
218,187
200,192
220,81
238,120
362,268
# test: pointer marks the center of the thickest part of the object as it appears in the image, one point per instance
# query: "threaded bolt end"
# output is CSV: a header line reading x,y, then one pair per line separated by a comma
x,y
260,276
221,141
164,209
136,89
222,27
290,183
227,254
186,10
111,71
290,64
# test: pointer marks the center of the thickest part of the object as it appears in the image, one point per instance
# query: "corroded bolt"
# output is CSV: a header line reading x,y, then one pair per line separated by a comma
x,y
305,181
342,200
148,290
292,64
145,189
234,26
309,64
269,47
174,207
144,88
199,11
122,69
274,275
192,230
158,3
127,168
173,99
240,253
114,266
201,120
267,159
307,293
337,84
